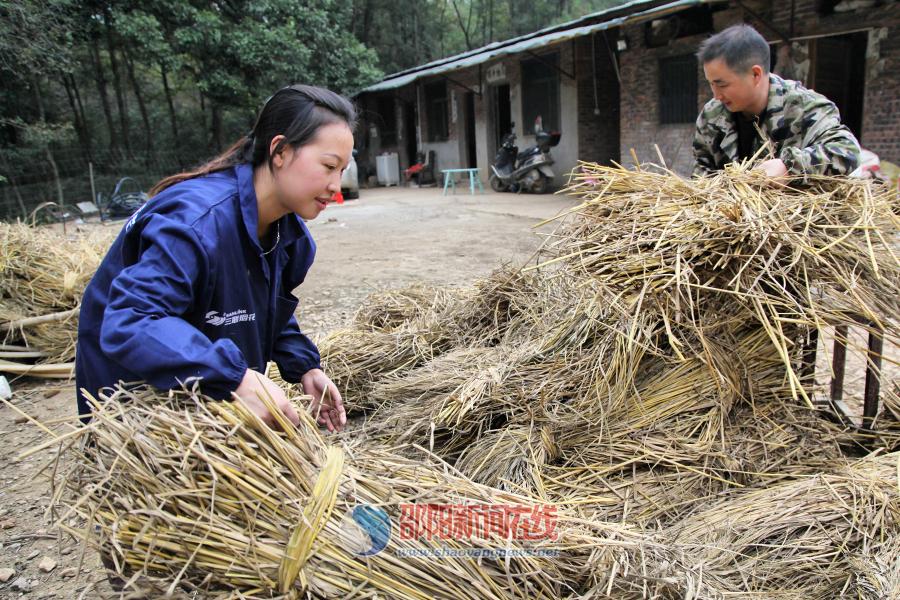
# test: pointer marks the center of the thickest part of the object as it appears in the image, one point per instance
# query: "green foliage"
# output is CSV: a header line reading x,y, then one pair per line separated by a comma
x,y
147,88
40,134
426,30
35,36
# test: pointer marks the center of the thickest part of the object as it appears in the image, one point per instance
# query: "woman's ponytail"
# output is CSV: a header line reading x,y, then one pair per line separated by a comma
x,y
236,154
296,112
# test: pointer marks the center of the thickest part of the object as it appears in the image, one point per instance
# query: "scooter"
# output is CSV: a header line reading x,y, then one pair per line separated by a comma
x,y
529,171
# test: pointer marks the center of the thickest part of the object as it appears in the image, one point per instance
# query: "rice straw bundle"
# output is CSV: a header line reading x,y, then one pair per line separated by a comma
x,y
499,301
452,397
392,309
355,359
794,537
704,252
186,492
684,435
653,477
44,270
511,458
876,571
43,274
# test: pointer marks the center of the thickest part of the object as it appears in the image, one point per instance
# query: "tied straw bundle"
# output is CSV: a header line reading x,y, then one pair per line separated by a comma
x,y
644,370
43,274
705,253
182,492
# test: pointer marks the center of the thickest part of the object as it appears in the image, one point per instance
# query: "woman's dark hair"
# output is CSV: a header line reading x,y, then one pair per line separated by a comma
x,y
296,112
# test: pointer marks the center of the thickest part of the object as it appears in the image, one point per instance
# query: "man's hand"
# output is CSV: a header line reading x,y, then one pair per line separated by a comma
x,y
255,385
330,410
774,167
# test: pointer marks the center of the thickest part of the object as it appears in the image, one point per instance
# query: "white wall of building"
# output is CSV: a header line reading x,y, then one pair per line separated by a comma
x,y
447,154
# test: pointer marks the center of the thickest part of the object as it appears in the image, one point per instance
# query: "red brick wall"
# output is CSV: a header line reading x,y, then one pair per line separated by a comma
x,y
881,115
640,126
598,134
881,105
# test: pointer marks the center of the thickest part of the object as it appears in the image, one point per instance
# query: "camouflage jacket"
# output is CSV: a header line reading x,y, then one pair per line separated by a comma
x,y
801,127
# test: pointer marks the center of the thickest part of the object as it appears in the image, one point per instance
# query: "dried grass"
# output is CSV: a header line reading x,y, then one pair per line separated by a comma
x,y
44,272
645,370
186,492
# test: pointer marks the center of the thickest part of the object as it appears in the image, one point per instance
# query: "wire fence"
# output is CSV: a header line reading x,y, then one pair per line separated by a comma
x,y
30,185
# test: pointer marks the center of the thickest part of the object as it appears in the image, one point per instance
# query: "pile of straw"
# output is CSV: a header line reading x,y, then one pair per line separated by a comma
x,y
184,492
655,361
43,273
704,253
392,309
800,538
396,332
645,371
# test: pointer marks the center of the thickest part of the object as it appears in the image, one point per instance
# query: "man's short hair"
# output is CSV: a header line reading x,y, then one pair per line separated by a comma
x,y
740,46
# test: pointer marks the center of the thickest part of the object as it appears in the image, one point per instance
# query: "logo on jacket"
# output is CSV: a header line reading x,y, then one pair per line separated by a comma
x,y
236,316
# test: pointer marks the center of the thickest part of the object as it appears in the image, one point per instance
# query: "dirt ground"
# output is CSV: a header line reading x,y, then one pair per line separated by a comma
x,y
388,238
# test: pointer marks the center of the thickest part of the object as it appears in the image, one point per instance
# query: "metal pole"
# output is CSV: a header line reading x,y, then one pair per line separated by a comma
x,y
93,188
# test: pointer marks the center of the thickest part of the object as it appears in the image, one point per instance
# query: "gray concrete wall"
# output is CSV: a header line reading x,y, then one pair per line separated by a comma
x,y
566,153
447,154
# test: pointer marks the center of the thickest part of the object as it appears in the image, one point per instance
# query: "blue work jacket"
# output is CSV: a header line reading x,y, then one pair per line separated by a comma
x,y
186,291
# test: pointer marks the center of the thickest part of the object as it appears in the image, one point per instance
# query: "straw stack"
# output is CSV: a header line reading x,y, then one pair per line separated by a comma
x,y
646,370
675,270
654,361
43,274
797,537
184,492
706,253
391,309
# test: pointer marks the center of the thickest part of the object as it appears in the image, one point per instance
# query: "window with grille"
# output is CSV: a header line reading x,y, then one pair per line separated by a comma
x,y
436,111
540,92
678,89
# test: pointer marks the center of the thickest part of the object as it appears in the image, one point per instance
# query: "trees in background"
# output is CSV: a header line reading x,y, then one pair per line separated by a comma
x,y
424,30
147,88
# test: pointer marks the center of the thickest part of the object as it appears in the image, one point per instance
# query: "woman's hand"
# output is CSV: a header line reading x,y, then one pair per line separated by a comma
x,y
255,385
327,406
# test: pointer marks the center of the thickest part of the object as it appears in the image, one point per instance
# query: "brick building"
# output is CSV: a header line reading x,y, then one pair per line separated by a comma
x,y
627,79
851,57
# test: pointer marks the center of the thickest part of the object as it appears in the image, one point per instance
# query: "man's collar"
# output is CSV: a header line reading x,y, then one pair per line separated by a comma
x,y
775,96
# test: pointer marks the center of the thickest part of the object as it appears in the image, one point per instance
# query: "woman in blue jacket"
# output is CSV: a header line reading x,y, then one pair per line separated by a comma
x,y
199,282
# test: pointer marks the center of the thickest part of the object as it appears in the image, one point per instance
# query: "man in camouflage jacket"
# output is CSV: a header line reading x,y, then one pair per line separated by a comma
x,y
800,128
